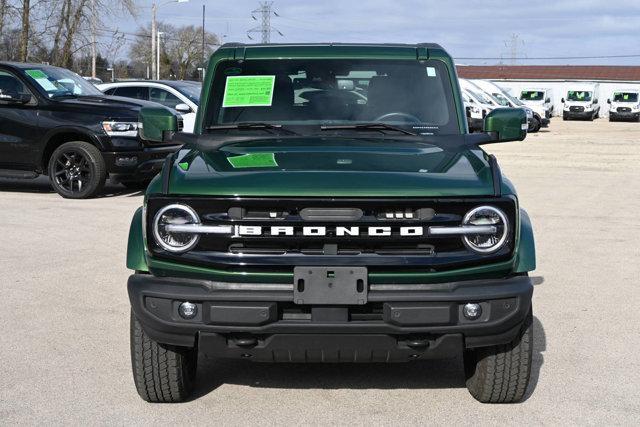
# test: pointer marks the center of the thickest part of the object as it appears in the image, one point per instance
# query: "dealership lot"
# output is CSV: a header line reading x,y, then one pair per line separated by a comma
x,y
65,346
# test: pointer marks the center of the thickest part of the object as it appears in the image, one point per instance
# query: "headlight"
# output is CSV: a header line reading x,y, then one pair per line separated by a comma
x,y
486,215
172,217
588,107
121,128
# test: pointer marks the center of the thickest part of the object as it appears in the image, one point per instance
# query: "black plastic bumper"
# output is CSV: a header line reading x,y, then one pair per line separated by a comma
x,y
624,116
261,321
578,114
137,165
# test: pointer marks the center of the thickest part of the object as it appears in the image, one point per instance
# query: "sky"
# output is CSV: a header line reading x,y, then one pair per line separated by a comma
x,y
466,29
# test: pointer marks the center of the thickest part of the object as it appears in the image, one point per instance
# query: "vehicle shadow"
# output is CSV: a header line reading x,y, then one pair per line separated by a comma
x,y
41,185
428,374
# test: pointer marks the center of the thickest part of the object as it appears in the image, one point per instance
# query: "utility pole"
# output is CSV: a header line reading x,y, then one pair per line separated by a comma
x,y
154,28
94,50
264,29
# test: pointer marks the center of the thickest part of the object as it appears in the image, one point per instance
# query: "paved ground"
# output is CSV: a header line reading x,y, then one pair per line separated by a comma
x,y
64,347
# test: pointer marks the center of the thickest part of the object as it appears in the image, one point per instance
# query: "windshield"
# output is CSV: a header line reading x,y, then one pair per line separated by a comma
x,y
625,97
308,94
190,90
579,95
58,82
532,95
513,99
480,97
502,100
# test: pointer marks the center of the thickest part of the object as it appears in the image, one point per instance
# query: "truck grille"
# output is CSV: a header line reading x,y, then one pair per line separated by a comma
x,y
393,249
576,109
624,110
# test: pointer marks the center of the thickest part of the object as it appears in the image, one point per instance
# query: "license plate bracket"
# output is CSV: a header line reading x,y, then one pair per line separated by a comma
x,y
330,285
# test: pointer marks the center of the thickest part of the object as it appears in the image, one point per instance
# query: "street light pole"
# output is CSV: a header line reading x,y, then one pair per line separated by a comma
x,y
158,56
154,28
113,74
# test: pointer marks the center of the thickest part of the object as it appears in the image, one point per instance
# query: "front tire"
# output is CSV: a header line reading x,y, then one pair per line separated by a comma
x,y
500,374
77,170
162,373
535,125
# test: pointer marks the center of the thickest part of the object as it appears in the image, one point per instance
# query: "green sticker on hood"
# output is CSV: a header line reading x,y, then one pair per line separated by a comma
x,y
248,91
254,160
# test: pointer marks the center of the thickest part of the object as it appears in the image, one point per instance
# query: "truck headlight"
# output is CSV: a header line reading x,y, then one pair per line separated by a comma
x,y
486,243
167,228
588,107
113,128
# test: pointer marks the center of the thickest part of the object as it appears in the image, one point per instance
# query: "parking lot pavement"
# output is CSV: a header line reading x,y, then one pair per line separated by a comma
x,y
64,346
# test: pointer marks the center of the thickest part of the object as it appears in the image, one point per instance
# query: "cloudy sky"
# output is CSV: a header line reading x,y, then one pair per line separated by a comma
x,y
467,29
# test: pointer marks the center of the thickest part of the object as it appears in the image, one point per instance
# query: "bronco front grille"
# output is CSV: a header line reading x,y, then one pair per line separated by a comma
x,y
355,232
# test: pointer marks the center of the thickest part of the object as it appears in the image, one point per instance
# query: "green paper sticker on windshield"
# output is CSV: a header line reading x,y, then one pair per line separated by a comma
x,y
254,160
248,91
36,74
625,96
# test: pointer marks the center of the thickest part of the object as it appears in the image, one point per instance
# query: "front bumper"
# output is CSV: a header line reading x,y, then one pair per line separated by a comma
x,y
627,115
578,114
398,323
137,165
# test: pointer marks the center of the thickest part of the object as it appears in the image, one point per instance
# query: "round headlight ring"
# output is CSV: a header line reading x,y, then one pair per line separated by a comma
x,y
505,230
189,213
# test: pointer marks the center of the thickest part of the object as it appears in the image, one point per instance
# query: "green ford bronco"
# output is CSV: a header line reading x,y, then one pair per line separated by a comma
x,y
331,206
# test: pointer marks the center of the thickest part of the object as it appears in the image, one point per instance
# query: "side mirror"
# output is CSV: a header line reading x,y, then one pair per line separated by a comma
x,y
159,124
608,101
183,108
548,100
595,101
562,100
506,124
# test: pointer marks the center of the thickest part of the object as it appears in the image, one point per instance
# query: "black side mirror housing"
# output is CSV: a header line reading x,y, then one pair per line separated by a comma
x,y
595,101
506,124
608,101
562,100
547,100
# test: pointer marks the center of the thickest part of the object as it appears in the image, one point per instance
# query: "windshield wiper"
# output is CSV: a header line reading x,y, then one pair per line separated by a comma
x,y
369,126
252,126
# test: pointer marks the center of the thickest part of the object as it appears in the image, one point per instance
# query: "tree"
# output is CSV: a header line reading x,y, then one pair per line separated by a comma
x,y
180,50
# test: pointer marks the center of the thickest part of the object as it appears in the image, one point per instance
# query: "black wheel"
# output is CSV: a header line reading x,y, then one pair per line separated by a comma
x,y
598,114
564,116
162,373
136,185
500,374
77,170
535,124
591,117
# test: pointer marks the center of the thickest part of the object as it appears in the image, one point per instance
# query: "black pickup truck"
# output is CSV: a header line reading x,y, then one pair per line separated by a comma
x,y
54,122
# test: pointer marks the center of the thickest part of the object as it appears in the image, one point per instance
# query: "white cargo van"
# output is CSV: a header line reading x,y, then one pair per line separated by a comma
x,y
581,102
624,105
476,110
539,100
505,99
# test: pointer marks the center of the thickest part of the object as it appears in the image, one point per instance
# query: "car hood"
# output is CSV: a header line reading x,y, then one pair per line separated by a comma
x,y
326,167
106,103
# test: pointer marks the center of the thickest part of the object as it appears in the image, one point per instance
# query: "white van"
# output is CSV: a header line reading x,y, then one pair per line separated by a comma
x,y
624,105
539,100
505,99
476,111
581,102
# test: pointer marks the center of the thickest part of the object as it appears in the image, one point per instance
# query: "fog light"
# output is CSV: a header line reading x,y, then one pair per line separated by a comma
x,y
472,311
126,161
188,310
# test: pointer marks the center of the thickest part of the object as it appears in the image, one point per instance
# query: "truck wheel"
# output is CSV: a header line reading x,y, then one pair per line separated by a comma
x,y
77,170
564,116
535,125
591,117
162,373
500,374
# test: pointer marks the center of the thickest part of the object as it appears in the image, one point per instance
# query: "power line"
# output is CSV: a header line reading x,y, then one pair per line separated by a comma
x,y
264,29
487,58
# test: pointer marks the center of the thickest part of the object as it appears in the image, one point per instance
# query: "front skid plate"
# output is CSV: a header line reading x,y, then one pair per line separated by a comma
x,y
330,285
